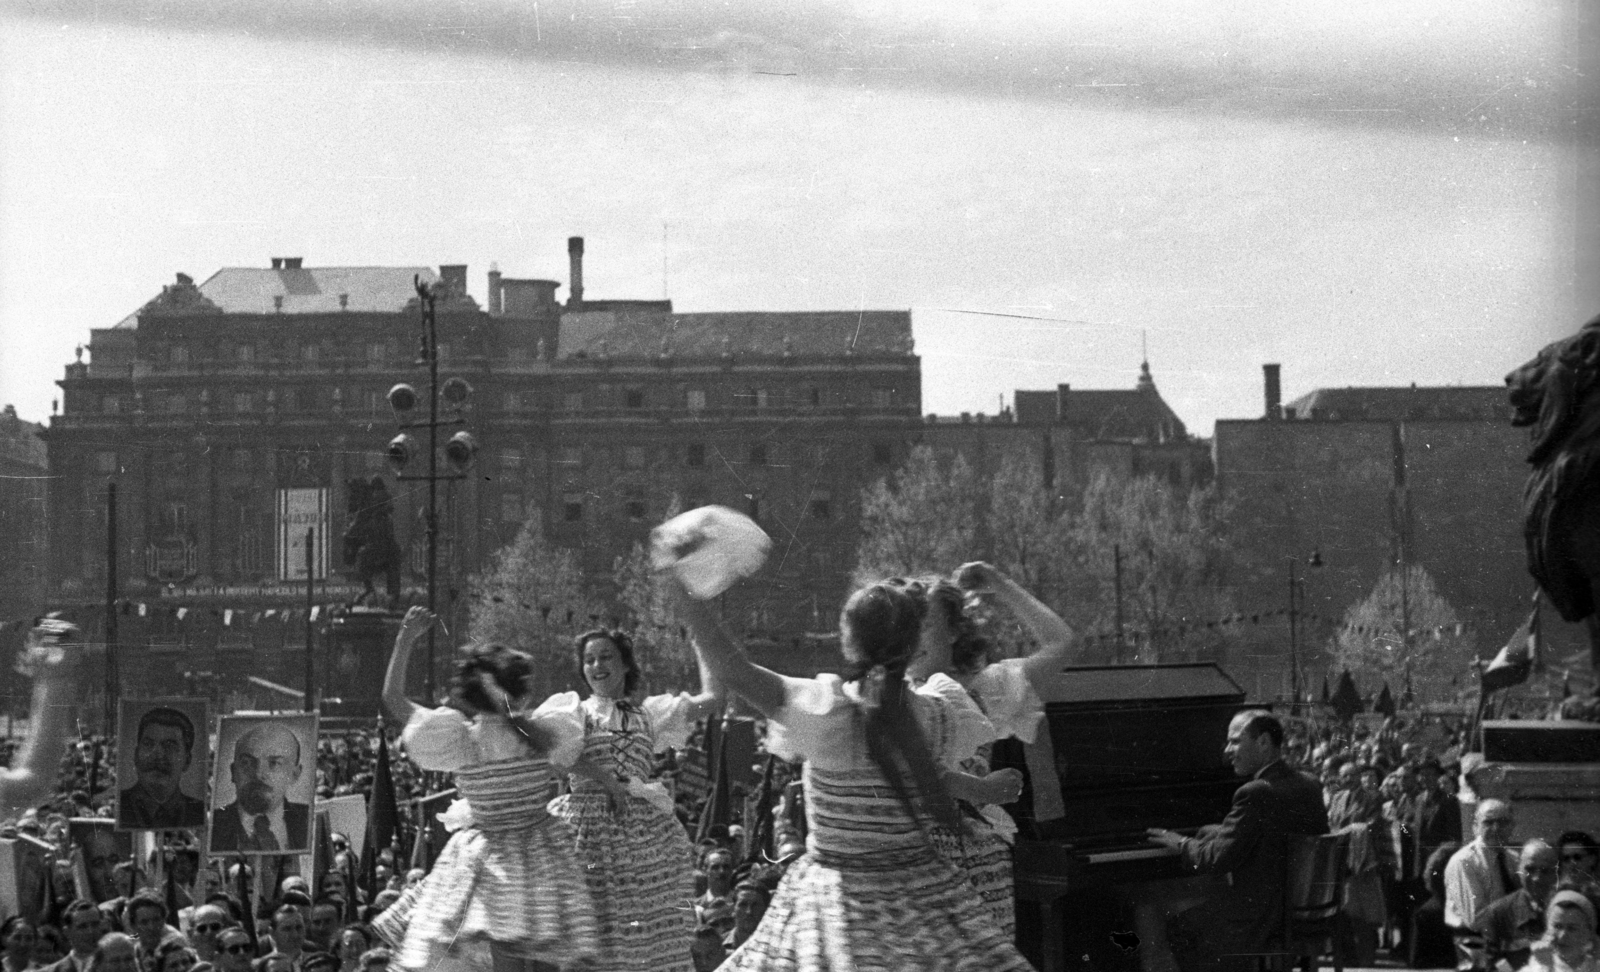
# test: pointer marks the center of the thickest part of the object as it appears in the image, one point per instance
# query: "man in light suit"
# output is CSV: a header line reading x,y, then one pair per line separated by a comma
x,y
266,762
1251,845
1479,874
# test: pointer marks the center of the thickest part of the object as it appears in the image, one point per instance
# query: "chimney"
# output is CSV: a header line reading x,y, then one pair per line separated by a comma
x,y
277,263
292,263
495,304
454,278
575,277
1274,393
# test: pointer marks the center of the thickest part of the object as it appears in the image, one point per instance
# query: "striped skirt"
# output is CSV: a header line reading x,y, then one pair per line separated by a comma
x,y
985,858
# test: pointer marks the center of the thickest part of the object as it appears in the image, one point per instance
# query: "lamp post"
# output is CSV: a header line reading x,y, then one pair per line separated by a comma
x,y
459,450
1296,599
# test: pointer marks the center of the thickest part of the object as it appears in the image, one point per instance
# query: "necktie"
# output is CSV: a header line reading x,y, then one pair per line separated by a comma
x,y
265,840
1508,883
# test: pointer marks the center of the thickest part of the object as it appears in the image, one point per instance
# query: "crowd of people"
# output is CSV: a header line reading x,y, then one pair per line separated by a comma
x,y
875,839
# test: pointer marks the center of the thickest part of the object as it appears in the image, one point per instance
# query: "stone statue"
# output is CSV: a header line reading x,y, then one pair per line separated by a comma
x,y
1557,395
369,544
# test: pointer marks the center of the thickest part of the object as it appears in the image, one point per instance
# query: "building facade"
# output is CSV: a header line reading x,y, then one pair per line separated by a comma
x,y
23,532
233,414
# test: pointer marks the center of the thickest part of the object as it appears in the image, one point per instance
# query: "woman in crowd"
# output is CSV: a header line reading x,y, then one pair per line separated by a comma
x,y
871,892
16,938
636,856
508,878
1006,692
1569,941
353,942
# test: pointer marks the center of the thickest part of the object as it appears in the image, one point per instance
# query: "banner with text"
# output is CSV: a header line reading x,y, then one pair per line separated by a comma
x,y
300,510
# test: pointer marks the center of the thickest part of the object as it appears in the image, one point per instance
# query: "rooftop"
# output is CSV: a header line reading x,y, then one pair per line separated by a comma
x,y
303,290
1404,403
764,333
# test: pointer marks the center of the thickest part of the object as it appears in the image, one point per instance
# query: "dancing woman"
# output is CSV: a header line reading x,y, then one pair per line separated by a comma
x,y
636,856
871,892
509,877
1007,693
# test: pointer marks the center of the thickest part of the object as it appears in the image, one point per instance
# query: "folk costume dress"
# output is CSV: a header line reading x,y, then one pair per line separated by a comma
x,y
508,875
871,893
1006,696
636,858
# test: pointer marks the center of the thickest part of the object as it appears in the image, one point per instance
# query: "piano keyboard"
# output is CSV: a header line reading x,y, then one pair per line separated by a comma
x,y
1137,854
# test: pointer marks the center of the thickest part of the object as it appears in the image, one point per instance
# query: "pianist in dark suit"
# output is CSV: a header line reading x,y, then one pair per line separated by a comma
x,y
1250,846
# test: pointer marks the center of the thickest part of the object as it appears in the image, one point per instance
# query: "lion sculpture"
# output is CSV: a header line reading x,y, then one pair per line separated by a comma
x,y
1557,395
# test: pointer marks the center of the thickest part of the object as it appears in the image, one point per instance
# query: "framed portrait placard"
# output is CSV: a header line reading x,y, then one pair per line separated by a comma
x,y
264,788
162,755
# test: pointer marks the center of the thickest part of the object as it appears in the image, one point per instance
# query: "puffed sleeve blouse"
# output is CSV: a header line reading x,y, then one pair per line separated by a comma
x,y
670,717
446,739
817,721
1007,696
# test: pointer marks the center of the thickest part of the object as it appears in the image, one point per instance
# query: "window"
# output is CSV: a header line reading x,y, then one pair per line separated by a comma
x,y
572,507
570,456
633,457
244,353
240,459
244,401
821,506
176,402
513,401
636,508
105,462
377,352
763,398
443,348
882,453
178,354
111,404
882,398
695,399
510,460
814,397
572,401
310,352
695,455
633,398
758,454
511,507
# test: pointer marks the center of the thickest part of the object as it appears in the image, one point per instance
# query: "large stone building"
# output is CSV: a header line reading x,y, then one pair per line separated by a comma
x,y
233,413
23,474
1370,478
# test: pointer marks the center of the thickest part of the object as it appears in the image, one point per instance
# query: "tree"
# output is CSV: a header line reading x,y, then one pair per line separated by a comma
x,y
922,519
531,596
1371,638
662,648
1175,556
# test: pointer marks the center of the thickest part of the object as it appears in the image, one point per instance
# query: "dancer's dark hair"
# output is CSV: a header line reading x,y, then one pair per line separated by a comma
x,y
630,679
969,649
511,670
884,622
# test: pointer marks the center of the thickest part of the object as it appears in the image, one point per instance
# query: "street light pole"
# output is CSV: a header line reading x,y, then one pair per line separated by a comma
x,y
430,349
1294,645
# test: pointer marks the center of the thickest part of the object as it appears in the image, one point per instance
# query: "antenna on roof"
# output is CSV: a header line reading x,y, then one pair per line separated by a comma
x,y
664,294
1144,345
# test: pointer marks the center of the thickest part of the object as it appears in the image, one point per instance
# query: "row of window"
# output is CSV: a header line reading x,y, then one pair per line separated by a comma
x,y
746,399
373,352
575,507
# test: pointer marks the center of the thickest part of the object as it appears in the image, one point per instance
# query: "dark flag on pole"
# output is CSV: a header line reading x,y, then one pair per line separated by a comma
x,y
1346,700
383,816
716,807
1518,659
1327,697
1385,703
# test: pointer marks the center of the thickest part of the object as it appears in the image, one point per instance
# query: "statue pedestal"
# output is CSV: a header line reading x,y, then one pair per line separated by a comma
x,y
1552,783
353,665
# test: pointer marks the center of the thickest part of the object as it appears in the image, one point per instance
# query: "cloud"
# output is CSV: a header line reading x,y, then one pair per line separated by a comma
x,y
1497,68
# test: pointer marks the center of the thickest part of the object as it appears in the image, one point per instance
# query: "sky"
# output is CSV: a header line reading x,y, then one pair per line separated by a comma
x,y
1375,193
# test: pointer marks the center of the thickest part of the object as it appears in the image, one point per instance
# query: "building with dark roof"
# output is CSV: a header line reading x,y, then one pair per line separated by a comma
x,y
1077,433
23,530
1370,478
233,413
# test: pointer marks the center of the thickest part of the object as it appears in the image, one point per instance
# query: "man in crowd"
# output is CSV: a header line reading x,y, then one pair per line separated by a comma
x,y
114,953
1251,845
289,933
234,952
266,762
323,924
1479,874
85,925
146,915
1513,923
1580,864
161,756
206,924
1361,803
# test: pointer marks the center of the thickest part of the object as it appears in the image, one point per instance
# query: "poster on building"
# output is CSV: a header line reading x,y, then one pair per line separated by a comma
x,y
300,510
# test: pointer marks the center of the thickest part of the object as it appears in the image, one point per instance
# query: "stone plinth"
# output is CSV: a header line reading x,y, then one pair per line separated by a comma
x,y
1548,797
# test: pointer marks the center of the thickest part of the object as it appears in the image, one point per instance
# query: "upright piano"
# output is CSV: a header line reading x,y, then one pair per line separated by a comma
x,y
1128,748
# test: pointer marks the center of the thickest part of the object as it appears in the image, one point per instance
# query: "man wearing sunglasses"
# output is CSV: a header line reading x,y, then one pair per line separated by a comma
x,y
207,923
1580,864
234,953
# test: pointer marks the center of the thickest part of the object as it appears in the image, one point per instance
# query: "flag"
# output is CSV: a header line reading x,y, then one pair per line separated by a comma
x,y
1346,700
383,816
716,807
1517,660
1327,696
1385,703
